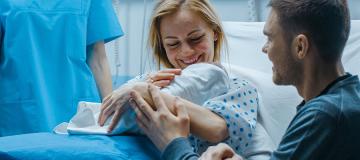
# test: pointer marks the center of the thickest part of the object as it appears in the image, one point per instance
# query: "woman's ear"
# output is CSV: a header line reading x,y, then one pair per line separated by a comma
x,y
301,46
215,36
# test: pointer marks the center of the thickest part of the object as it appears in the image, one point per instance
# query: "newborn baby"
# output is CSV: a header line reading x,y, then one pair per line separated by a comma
x,y
197,83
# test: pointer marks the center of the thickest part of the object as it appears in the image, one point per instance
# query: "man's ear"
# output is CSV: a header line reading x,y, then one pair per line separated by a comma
x,y
301,46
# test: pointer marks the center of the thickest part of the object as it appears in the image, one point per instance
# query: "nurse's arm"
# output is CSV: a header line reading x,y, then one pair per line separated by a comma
x,y
99,65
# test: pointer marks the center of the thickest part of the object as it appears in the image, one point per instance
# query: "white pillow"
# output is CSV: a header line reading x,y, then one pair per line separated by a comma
x,y
351,55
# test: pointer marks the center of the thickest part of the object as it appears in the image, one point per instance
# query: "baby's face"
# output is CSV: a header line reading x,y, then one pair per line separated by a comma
x,y
187,39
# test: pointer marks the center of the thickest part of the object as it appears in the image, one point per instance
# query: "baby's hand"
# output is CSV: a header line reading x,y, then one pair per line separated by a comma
x,y
163,78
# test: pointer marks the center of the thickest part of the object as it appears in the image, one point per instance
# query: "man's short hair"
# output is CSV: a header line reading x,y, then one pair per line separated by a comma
x,y
325,22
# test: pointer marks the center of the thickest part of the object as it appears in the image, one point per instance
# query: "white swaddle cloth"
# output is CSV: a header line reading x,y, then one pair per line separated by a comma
x,y
197,83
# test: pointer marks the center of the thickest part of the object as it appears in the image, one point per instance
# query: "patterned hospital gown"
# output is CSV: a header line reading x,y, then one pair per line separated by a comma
x,y
239,109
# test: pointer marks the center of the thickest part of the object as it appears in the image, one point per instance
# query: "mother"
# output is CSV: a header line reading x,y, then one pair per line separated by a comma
x,y
185,32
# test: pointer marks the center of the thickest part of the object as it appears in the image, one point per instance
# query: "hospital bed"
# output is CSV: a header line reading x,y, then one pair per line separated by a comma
x,y
245,39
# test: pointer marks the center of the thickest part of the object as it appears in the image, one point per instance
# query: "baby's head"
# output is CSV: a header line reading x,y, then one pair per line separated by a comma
x,y
185,32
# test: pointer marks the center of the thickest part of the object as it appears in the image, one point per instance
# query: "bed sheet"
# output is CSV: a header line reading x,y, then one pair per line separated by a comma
x,y
41,146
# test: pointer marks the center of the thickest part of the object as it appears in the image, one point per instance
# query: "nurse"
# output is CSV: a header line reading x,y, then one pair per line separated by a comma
x,y
52,56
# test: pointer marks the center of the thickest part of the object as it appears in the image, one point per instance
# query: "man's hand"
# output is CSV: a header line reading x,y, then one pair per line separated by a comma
x,y
220,152
160,125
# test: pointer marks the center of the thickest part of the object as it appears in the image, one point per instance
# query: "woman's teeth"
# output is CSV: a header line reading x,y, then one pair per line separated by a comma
x,y
191,61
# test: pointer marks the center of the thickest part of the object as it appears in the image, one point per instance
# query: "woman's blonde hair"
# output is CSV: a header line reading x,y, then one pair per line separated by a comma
x,y
167,7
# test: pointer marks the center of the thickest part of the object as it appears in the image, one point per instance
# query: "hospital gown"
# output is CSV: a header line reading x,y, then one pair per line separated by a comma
x,y
44,48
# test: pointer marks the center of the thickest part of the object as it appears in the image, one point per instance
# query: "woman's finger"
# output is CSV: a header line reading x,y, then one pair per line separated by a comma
x,y
106,112
114,121
117,115
162,76
162,83
104,107
107,97
141,119
117,102
142,126
174,71
157,99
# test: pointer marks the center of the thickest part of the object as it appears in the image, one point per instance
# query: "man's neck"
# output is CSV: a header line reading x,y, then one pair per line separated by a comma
x,y
316,79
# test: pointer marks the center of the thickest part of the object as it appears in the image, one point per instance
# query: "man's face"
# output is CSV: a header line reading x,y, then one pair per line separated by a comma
x,y
286,70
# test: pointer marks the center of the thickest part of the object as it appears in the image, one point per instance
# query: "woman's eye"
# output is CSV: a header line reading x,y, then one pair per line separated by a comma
x,y
196,38
172,44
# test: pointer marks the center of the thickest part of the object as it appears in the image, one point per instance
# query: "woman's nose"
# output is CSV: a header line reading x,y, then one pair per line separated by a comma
x,y
187,49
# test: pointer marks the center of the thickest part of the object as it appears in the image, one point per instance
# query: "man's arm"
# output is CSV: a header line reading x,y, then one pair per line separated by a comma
x,y
179,149
99,65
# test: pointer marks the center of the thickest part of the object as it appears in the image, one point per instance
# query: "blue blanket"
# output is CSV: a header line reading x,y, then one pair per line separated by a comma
x,y
64,147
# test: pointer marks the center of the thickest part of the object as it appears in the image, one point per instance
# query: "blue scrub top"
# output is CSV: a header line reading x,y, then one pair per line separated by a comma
x,y
43,70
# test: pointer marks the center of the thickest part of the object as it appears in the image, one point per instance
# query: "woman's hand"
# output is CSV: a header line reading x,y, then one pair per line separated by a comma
x,y
114,103
163,78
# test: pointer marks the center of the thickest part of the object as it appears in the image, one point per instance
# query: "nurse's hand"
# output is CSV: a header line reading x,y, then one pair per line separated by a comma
x,y
160,124
220,152
115,103
163,78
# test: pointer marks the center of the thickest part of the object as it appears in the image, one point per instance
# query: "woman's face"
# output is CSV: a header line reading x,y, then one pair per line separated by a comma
x,y
187,39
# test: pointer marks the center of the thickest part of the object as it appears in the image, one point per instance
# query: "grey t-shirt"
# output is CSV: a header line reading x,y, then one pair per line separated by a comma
x,y
326,127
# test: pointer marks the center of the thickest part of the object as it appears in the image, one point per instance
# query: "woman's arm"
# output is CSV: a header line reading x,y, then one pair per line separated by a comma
x,y
203,122
100,67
